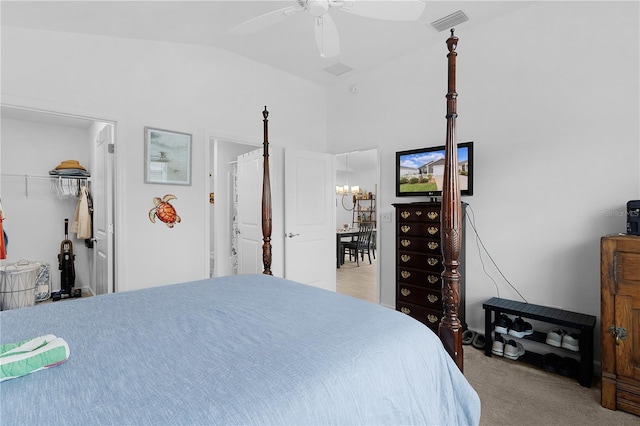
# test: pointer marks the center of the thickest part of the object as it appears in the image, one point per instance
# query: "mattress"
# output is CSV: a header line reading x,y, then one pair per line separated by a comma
x,y
244,349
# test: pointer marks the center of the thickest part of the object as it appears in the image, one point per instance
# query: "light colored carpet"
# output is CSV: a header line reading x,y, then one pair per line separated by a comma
x,y
515,393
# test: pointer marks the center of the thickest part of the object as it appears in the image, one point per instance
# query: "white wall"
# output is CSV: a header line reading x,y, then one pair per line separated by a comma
x,y
192,89
549,94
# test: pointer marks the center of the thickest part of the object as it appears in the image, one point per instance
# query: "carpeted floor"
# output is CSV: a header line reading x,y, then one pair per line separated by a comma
x,y
515,393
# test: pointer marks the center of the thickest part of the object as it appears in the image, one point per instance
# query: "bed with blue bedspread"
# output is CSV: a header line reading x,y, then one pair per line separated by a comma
x,y
245,349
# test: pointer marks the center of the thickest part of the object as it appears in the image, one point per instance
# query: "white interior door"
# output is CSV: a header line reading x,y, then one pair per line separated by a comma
x,y
309,213
102,190
250,213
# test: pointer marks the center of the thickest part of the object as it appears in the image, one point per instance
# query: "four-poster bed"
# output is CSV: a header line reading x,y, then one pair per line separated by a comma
x,y
244,349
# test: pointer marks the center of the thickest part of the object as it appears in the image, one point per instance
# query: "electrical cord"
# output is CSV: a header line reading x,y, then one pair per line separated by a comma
x,y
480,243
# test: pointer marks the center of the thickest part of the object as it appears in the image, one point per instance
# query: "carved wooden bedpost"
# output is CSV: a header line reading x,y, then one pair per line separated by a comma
x,y
450,329
266,199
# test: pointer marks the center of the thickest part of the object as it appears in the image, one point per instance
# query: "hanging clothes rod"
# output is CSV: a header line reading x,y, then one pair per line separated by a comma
x,y
58,178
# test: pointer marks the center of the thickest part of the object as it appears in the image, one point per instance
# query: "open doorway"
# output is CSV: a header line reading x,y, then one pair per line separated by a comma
x,y
223,253
357,177
29,188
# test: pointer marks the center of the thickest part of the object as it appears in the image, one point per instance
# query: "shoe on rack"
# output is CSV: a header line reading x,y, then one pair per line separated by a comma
x,y
569,367
520,328
503,323
571,342
550,362
498,345
554,338
513,350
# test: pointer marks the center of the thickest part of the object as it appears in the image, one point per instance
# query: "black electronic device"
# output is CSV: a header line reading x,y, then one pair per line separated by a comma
x,y
633,217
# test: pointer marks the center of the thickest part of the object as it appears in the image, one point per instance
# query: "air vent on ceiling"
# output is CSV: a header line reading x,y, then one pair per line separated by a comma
x,y
338,69
450,21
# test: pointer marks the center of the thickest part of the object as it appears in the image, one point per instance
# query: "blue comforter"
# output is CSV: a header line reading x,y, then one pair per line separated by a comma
x,y
247,349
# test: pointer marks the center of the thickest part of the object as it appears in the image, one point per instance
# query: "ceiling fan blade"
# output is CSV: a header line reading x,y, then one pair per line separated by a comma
x,y
263,21
389,10
327,37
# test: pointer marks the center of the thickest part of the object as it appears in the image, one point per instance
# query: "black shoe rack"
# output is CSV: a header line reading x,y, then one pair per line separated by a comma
x,y
582,323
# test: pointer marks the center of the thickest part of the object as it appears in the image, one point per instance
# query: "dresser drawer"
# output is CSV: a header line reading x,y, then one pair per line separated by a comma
x,y
422,296
419,229
419,213
428,279
429,317
420,244
426,261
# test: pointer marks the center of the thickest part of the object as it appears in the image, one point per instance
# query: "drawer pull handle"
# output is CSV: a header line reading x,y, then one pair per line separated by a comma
x,y
405,258
432,279
432,245
405,274
432,318
405,292
405,243
405,310
405,214
419,213
405,228
432,298
431,261
432,215
432,230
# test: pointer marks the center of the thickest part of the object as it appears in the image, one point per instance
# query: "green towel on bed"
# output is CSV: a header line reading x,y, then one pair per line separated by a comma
x,y
22,358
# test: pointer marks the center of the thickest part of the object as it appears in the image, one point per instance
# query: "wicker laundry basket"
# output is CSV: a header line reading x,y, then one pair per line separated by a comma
x,y
18,285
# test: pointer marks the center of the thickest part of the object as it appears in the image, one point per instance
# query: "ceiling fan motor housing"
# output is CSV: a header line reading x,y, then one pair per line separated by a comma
x,y
316,7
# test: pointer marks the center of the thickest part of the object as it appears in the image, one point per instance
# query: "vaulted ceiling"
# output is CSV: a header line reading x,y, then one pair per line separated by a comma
x,y
288,45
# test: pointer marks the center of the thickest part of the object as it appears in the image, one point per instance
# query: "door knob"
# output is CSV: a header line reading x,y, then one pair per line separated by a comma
x,y
291,235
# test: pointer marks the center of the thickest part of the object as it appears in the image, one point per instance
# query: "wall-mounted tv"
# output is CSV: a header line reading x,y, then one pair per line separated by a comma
x,y
419,172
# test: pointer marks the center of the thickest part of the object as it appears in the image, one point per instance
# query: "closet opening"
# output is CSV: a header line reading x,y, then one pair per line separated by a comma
x,y
56,167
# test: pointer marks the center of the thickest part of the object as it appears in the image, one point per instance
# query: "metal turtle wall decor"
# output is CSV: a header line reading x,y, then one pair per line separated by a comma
x,y
164,210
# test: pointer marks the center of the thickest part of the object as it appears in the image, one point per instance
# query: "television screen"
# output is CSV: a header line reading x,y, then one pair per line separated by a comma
x,y
419,172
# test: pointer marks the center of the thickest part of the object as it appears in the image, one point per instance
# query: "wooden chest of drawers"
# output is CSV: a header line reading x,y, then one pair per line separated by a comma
x,y
419,263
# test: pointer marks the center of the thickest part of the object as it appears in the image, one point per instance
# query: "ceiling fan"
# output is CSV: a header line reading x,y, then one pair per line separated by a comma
x,y
327,38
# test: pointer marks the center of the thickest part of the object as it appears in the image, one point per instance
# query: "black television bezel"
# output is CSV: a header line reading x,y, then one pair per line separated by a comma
x,y
465,192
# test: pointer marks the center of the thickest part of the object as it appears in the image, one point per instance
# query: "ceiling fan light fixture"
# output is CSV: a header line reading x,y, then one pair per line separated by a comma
x,y
318,7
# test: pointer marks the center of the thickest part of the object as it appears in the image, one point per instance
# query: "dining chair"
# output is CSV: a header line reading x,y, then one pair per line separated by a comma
x,y
361,245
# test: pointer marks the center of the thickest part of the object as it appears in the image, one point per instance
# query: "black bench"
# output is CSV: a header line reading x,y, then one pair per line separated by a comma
x,y
583,323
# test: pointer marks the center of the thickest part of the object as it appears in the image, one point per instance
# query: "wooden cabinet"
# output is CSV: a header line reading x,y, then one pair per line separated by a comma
x,y
419,263
620,322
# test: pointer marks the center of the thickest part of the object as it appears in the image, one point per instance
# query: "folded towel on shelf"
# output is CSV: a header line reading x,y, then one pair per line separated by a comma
x,y
28,356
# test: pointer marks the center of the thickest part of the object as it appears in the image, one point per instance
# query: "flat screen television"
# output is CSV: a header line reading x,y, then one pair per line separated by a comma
x,y
419,172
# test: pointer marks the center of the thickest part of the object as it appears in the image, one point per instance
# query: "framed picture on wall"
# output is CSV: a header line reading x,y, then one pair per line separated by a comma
x,y
167,157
